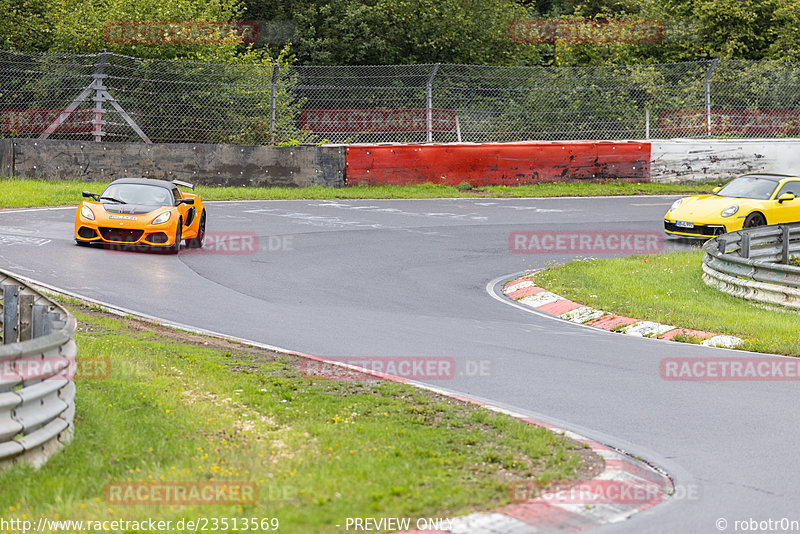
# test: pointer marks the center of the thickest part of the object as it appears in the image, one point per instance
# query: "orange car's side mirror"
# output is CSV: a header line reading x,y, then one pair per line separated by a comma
x,y
784,197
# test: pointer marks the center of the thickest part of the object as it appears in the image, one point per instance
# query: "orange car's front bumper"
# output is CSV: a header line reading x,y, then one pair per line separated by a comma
x,y
118,231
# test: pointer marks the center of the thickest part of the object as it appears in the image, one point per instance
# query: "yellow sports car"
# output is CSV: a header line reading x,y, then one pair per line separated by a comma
x,y
141,213
749,200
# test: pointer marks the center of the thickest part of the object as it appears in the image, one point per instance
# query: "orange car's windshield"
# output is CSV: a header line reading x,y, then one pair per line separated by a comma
x,y
751,186
147,195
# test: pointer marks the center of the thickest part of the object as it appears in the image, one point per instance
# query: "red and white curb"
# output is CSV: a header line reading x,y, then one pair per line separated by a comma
x,y
538,515
547,515
525,292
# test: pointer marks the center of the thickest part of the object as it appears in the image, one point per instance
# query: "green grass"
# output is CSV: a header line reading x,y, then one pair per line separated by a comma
x,y
668,288
181,407
16,192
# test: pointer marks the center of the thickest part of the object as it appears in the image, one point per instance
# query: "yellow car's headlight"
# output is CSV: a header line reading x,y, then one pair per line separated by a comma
x,y
164,217
730,210
676,204
87,213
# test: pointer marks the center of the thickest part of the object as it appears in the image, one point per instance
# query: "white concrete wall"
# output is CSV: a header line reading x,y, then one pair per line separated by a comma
x,y
692,160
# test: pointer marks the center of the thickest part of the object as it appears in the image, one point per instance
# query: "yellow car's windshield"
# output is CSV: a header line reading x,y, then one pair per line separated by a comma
x,y
754,186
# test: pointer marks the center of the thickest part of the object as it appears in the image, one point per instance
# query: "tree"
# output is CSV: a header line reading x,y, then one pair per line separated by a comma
x,y
786,46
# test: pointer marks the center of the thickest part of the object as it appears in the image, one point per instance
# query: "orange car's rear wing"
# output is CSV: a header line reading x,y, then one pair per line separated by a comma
x,y
184,184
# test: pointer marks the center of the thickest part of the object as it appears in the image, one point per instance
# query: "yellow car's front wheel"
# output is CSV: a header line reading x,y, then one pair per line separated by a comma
x,y
755,219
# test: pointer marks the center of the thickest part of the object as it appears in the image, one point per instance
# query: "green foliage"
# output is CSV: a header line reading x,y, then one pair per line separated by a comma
x,y
339,32
23,27
370,32
693,30
363,32
77,26
433,31
786,46
741,29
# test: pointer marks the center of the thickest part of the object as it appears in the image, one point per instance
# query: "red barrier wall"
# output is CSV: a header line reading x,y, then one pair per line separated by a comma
x,y
498,164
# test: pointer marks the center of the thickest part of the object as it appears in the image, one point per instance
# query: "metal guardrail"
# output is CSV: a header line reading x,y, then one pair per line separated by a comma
x,y
37,361
757,264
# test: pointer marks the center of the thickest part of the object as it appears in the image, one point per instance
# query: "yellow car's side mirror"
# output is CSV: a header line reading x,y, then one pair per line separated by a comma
x,y
716,189
784,197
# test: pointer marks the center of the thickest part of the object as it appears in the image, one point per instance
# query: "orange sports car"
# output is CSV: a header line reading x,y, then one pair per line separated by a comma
x,y
141,213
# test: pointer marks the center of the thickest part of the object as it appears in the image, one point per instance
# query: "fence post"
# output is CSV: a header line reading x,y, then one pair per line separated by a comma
x,y
272,105
99,86
709,74
647,123
429,103
101,95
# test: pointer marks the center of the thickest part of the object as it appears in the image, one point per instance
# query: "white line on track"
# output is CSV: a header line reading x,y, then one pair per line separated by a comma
x,y
22,210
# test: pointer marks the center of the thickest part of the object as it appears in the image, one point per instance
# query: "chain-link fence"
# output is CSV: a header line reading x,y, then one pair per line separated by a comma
x,y
117,98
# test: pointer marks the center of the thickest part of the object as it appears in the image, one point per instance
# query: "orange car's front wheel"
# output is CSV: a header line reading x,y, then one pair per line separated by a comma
x,y
197,242
176,247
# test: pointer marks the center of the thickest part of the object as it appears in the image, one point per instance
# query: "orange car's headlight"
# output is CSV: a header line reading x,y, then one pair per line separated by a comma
x,y
87,212
164,217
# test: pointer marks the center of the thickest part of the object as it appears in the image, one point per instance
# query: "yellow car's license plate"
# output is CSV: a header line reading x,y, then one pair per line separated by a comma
x,y
684,224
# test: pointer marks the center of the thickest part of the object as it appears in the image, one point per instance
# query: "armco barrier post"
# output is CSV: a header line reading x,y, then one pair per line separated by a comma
x,y
25,317
744,250
10,293
784,244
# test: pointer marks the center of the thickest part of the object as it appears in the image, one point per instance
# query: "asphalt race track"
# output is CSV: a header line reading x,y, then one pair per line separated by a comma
x,y
409,278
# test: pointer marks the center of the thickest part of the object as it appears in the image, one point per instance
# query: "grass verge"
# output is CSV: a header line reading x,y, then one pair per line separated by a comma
x,y
183,407
18,193
668,288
